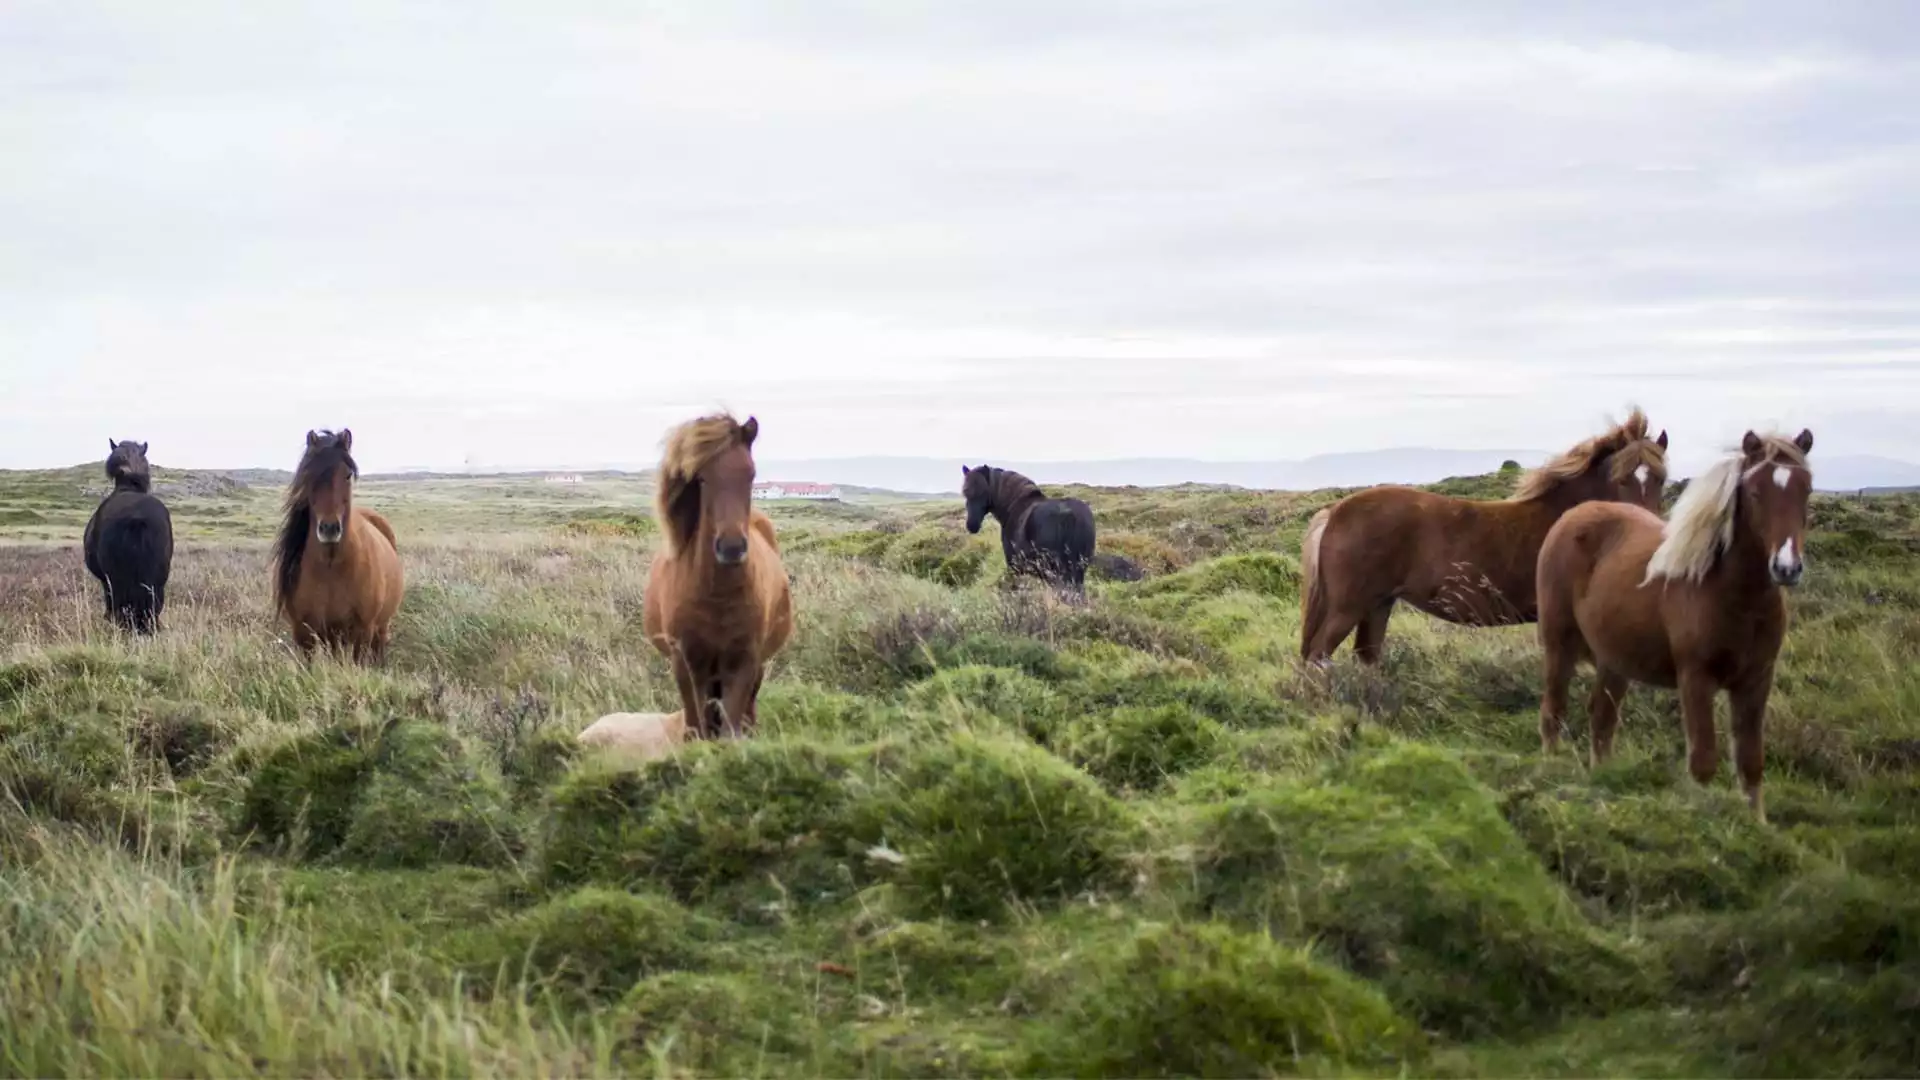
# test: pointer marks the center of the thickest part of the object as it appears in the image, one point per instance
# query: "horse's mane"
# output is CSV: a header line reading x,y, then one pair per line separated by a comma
x,y
290,547
690,448
1628,442
1010,487
1701,524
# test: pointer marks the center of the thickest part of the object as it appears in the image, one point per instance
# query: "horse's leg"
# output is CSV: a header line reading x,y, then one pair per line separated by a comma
x,y
693,714
1603,712
737,689
1696,712
1749,701
1560,658
1369,640
1340,621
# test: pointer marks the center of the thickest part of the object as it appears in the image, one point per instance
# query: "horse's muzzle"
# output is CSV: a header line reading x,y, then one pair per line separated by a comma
x,y
1788,576
730,550
329,532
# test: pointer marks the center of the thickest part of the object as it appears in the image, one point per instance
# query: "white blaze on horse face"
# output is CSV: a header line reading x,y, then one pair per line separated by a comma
x,y
1785,560
1641,474
1782,476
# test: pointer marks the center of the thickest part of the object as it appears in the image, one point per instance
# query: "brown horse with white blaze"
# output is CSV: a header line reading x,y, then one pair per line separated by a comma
x,y
337,578
1693,604
718,605
1468,561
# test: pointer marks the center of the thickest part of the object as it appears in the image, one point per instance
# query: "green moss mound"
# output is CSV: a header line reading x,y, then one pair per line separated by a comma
x,y
943,556
773,817
1263,572
725,1025
302,794
1027,703
594,943
1208,1000
1403,867
1685,848
427,802
985,824
1140,749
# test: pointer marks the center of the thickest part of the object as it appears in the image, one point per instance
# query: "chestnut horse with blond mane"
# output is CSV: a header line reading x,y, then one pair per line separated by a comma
x,y
1468,561
1693,604
717,606
337,579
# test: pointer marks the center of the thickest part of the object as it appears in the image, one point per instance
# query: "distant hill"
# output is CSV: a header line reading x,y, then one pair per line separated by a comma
x,y
933,475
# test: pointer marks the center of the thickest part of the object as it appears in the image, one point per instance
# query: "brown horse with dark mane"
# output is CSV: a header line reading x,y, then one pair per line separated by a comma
x,y
1694,604
717,606
337,579
1467,561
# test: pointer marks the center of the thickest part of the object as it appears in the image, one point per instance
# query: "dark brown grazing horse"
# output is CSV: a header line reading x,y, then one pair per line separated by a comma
x,y
1695,604
1048,539
337,579
1467,561
717,606
128,542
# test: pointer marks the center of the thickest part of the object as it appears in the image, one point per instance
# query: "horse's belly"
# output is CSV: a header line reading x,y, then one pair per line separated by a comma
x,y
1626,639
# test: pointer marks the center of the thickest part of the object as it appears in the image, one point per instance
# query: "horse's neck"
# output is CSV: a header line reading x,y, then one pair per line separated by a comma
x,y
1743,565
1010,510
125,483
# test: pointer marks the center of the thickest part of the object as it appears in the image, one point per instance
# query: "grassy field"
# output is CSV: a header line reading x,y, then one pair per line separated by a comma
x,y
979,833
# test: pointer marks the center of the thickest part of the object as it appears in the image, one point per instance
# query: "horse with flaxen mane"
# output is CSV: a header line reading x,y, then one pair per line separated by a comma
x,y
1050,539
128,542
1693,604
337,579
1468,561
717,605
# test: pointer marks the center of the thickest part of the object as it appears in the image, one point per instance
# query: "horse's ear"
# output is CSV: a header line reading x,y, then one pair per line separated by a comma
x,y
1804,441
346,438
750,430
1662,440
111,445
313,438
964,471
1751,445
143,449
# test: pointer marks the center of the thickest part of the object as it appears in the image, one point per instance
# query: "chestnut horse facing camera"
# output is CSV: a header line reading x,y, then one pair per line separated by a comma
x,y
1467,561
337,579
717,605
1693,604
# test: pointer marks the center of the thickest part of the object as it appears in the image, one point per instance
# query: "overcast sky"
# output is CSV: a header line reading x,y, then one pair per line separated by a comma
x,y
1034,229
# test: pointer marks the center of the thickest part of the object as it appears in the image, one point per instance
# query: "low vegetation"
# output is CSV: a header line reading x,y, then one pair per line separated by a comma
x,y
979,833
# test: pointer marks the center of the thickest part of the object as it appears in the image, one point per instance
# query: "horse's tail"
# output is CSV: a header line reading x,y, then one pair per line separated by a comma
x,y
380,522
1313,595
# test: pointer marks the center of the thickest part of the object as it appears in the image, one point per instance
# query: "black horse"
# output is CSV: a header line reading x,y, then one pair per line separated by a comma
x,y
129,541
1051,539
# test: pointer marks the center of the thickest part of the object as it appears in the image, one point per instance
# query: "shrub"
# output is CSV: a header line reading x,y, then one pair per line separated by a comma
x,y
1206,1000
